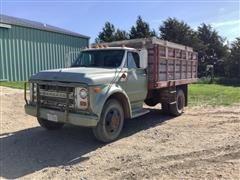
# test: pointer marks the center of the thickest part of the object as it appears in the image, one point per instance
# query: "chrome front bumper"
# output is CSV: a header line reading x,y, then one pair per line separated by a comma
x,y
59,116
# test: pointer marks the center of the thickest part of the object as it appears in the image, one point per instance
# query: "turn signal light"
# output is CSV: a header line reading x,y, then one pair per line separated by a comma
x,y
97,89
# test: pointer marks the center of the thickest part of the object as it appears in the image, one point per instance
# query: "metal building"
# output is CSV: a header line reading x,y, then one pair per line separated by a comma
x,y
27,47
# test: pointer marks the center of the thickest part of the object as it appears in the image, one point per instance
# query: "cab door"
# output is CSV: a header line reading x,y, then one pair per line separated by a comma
x,y
135,84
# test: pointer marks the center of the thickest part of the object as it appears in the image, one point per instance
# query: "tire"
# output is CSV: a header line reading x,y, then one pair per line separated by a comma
x,y
178,108
151,102
165,108
49,125
111,122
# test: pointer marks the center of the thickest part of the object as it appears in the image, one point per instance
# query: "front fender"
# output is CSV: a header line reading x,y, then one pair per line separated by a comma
x,y
99,100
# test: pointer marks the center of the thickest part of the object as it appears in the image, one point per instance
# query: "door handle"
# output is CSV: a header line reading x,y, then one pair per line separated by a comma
x,y
123,77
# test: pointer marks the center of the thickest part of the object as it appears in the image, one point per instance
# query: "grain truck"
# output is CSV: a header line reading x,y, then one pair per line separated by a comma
x,y
109,83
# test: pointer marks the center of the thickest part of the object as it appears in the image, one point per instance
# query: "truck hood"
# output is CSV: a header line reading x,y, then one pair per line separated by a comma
x,y
90,76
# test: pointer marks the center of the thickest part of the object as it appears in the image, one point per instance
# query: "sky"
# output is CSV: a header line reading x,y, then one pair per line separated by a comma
x,y
88,17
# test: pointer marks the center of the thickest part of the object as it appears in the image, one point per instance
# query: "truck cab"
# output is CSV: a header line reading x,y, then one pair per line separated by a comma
x,y
105,86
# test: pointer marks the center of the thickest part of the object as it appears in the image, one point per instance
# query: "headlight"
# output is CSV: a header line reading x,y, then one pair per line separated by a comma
x,y
81,100
83,93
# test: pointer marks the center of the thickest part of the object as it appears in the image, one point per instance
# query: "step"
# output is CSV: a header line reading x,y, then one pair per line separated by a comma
x,y
139,112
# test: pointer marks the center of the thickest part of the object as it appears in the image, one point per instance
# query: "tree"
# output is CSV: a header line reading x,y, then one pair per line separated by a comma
x,y
179,32
121,35
232,64
214,53
212,40
107,33
206,41
141,30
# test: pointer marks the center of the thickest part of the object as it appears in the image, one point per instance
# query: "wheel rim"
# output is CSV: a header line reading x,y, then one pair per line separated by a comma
x,y
180,103
113,119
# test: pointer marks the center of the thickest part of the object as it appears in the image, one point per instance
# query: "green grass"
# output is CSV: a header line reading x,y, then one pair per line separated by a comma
x,y
220,80
16,84
213,94
199,94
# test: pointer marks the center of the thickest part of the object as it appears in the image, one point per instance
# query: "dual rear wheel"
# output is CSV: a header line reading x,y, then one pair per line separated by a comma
x,y
176,108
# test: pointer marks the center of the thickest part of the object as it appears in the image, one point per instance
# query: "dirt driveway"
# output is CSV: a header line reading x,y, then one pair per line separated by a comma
x,y
203,143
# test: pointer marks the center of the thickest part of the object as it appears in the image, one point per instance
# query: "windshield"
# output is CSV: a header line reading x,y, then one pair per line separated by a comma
x,y
99,58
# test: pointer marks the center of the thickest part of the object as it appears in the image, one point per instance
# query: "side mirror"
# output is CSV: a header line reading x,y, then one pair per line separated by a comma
x,y
143,58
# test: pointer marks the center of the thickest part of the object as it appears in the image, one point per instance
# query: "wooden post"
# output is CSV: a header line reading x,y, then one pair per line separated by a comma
x,y
166,63
166,69
155,64
181,69
186,70
191,69
174,68
158,63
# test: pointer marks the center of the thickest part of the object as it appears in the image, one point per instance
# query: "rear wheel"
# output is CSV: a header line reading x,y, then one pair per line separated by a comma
x,y
49,125
111,122
177,108
165,108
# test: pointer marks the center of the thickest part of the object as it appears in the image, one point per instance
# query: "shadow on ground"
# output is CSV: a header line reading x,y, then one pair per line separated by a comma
x,y
33,149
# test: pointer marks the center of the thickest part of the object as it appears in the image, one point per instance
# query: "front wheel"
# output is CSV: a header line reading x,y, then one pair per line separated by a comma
x,y
111,122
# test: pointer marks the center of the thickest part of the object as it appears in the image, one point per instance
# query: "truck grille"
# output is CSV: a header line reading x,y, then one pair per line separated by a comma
x,y
56,97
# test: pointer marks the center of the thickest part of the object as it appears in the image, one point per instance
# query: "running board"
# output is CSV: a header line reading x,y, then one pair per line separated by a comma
x,y
140,113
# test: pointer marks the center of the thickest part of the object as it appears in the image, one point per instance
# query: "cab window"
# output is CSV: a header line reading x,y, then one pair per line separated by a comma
x,y
132,60
99,58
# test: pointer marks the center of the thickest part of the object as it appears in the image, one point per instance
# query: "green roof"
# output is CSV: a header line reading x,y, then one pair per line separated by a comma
x,y
37,25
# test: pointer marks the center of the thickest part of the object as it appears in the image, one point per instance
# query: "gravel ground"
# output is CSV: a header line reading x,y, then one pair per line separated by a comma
x,y
202,143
